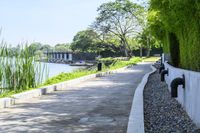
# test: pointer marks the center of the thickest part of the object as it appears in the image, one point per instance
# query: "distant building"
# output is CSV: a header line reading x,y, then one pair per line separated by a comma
x,y
65,56
69,56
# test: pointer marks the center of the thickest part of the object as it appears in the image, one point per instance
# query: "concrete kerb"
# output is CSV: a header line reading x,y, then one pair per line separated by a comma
x,y
9,101
136,117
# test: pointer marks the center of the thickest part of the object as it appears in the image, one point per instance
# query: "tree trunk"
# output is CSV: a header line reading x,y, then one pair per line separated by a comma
x,y
140,51
148,46
126,52
126,47
130,51
148,52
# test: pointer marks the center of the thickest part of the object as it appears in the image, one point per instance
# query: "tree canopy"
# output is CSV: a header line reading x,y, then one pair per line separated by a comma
x,y
119,19
84,41
62,47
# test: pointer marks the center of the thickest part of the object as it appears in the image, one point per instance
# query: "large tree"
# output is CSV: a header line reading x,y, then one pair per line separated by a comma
x,y
33,47
119,19
46,48
85,41
64,47
147,41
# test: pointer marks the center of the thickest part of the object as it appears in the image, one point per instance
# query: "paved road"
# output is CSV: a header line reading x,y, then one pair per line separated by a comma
x,y
100,105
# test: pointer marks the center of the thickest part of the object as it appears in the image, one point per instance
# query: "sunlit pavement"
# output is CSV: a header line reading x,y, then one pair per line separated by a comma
x,y
100,105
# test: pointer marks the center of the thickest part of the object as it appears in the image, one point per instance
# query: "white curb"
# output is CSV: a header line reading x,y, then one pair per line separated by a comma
x,y
9,101
136,117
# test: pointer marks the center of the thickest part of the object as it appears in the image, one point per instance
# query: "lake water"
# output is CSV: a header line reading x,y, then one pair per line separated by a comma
x,y
55,69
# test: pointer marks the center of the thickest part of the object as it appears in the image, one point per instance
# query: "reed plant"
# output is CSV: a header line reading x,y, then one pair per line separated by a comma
x,y
18,70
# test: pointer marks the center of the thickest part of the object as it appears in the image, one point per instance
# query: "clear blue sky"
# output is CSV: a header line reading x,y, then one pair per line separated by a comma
x,y
45,21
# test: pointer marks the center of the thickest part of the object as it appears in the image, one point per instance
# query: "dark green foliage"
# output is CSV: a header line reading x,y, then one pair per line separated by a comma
x,y
84,41
62,47
182,18
108,61
147,41
165,41
108,49
89,41
34,47
174,50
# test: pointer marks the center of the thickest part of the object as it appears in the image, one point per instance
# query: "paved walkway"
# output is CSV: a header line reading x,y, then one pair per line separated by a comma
x,y
100,105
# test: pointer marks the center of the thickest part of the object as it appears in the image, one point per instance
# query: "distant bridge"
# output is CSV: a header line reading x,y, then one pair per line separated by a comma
x,y
69,56
64,56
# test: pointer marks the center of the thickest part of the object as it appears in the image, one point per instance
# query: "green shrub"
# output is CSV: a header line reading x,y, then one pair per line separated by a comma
x,y
122,63
107,61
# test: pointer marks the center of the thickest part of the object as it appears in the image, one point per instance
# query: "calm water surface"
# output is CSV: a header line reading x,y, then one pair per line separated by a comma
x,y
55,69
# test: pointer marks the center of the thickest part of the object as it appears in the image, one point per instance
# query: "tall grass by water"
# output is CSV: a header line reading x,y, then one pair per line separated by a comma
x,y
18,70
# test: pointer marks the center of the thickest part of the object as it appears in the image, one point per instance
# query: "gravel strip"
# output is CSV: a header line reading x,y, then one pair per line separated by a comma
x,y
163,114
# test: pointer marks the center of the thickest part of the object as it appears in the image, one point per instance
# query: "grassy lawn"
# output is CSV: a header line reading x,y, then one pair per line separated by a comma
x,y
150,59
68,76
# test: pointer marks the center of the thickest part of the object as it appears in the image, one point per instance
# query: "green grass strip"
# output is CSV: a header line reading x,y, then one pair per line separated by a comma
x,y
79,73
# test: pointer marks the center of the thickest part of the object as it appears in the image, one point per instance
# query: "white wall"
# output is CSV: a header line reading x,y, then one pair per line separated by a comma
x,y
189,97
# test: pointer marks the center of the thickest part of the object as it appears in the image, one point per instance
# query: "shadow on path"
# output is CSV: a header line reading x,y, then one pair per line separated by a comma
x,y
100,105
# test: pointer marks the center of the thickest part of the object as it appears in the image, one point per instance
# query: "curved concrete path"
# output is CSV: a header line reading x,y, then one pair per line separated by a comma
x,y
100,105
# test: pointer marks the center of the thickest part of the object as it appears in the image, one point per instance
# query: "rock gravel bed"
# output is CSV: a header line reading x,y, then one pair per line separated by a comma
x,y
163,114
